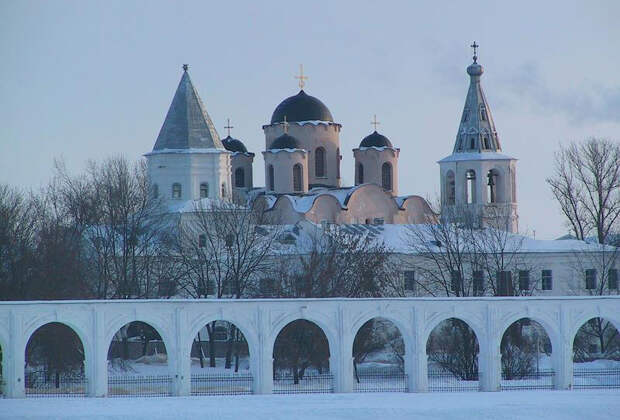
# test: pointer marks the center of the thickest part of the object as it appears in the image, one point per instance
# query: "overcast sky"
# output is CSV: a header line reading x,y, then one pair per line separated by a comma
x,y
85,80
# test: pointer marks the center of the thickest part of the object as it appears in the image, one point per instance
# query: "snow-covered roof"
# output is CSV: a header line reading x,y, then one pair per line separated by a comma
x,y
191,206
186,151
457,157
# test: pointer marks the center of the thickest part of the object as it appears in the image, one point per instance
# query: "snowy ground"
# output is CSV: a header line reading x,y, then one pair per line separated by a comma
x,y
560,405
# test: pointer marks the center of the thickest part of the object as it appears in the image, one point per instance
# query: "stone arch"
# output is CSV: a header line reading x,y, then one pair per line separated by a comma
x,y
402,326
583,322
318,319
585,317
547,323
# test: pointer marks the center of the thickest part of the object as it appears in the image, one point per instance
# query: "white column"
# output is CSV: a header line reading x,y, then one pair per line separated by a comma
x,y
181,361
416,360
97,366
489,358
341,360
263,374
562,353
16,355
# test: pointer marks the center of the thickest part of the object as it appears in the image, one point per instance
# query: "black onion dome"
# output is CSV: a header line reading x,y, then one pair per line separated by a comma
x,y
375,140
234,145
301,107
285,142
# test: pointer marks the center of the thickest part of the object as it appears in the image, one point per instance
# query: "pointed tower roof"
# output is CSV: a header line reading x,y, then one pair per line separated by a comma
x,y
477,131
187,124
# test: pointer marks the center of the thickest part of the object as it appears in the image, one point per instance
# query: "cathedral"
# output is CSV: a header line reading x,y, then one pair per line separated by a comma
x,y
302,158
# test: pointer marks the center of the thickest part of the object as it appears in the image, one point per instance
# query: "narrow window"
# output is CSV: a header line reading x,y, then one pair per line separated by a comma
x,y
450,188
590,279
492,186
478,277
155,190
204,190
524,280
223,190
456,282
386,176
547,280
360,174
176,190
202,240
409,281
483,114
271,178
319,162
338,163
612,279
486,143
472,143
297,177
504,283
470,190
239,178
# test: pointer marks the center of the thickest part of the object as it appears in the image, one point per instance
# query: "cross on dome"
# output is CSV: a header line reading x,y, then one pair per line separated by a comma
x,y
375,122
228,126
185,67
301,77
475,48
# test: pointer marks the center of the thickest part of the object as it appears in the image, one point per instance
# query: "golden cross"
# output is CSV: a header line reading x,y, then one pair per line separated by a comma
x,y
375,122
228,126
301,77
285,125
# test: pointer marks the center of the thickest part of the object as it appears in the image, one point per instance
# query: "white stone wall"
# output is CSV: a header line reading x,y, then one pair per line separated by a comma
x,y
260,320
283,162
372,160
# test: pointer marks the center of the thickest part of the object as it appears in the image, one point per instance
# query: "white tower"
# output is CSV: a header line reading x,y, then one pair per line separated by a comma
x,y
478,182
188,160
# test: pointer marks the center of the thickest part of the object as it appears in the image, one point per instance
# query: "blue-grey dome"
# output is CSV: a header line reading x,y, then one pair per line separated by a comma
x,y
234,145
301,107
375,140
285,142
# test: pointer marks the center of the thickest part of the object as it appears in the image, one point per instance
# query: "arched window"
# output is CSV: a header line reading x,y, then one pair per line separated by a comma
x,y
271,177
155,190
176,190
483,114
204,190
338,163
492,186
386,176
472,143
319,162
239,178
360,174
450,188
470,187
223,190
297,177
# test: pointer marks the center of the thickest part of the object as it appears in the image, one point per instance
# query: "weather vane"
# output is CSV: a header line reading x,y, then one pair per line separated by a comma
x,y
375,122
228,126
475,47
301,77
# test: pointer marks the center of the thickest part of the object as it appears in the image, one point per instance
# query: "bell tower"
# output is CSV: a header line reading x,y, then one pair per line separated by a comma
x,y
478,182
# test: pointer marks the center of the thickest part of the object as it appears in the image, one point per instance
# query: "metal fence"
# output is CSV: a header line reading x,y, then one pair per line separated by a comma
x,y
139,386
542,379
309,384
440,380
596,378
207,384
380,380
43,384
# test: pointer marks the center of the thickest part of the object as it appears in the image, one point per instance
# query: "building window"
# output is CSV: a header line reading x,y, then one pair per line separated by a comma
x,y
271,178
239,178
470,186
472,143
297,178
456,282
492,186
176,190
204,190
478,277
223,190
524,280
612,279
486,143
590,279
155,190
338,163
450,188
166,288
547,280
386,176
319,162
266,287
483,114
504,283
360,174
202,240
409,281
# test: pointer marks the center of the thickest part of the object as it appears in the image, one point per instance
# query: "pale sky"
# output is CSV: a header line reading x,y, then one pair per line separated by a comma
x,y
85,80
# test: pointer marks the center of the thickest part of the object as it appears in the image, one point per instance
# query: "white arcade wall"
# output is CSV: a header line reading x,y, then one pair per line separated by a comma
x,y
261,320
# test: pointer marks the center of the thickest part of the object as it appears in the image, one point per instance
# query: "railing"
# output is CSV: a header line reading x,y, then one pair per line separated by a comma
x,y
440,380
139,386
42,384
542,379
596,378
309,384
206,384
380,380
